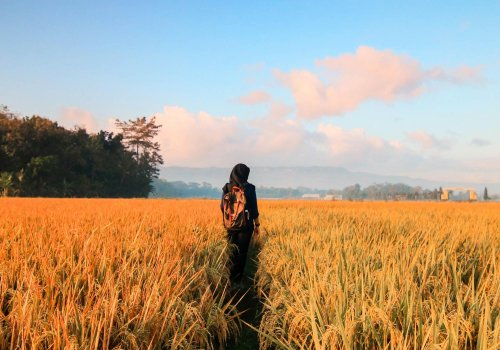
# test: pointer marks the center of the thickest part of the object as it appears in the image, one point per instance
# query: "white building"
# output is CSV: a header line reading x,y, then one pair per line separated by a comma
x,y
311,196
333,197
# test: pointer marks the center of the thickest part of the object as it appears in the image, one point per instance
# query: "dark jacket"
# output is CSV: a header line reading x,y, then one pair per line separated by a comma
x,y
251,202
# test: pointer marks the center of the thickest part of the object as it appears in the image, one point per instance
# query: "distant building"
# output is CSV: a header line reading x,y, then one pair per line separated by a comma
x,y
333,197
311,196
471,193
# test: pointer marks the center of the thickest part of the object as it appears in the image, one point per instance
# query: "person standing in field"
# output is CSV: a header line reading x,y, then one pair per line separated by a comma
x,y
240,217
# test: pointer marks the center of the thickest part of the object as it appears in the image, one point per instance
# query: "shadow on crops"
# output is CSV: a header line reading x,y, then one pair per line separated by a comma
x,y
250,305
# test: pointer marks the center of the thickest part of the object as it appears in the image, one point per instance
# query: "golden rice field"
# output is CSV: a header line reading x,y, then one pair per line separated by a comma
x,y
152,274
381,276
104,274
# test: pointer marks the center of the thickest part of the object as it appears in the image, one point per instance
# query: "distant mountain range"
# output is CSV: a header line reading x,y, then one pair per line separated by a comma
x,y
312,177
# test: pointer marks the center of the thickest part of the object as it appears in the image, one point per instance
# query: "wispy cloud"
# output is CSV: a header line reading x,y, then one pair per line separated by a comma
x,y
427,141
255,97
459,75
344,82
480,142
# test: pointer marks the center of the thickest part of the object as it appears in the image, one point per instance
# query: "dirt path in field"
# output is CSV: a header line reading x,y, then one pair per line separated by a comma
x,y
250,305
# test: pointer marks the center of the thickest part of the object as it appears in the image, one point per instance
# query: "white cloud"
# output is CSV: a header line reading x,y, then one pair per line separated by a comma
x,y
358,150
346,81
200,139
354,142
73,116
278,133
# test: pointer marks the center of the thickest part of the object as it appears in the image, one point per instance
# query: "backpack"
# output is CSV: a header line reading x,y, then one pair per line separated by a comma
x,y
234,214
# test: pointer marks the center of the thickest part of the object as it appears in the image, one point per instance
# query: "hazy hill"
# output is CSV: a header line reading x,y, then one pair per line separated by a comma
x,y
313,177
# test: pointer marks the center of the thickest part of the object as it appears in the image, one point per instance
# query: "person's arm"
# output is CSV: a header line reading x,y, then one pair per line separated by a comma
x,y
254,210
257,226
222,202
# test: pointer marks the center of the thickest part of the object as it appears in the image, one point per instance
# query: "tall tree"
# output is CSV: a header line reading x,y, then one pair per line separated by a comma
x,y
485,195
139,136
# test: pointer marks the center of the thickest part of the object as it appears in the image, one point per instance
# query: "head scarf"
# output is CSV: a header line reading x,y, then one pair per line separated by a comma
x,y
239,175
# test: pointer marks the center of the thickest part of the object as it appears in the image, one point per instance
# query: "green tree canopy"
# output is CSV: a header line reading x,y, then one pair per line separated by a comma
x,y
38,157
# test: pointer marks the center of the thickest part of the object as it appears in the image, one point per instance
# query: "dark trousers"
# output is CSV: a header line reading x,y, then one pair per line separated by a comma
x,y
241,240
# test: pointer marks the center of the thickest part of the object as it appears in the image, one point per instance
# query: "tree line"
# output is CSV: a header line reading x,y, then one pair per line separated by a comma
x,y
381,191
400,191
181,189
39,157
389,191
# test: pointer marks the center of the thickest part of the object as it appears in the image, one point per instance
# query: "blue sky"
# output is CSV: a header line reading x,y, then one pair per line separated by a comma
x,y
433,113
